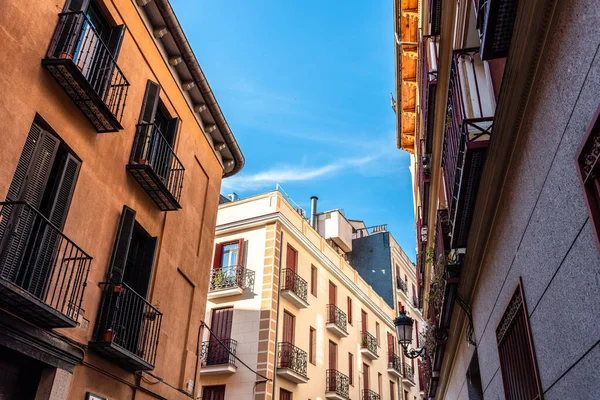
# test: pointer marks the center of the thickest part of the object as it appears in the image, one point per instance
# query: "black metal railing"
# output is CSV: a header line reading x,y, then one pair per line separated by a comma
x,y
294,283
469,122
215,353
38,258
151,148
127,320
368,341
292,358
337,317
409,372
415,301
76,39
230,278
400,284
337,383
394,362
368,394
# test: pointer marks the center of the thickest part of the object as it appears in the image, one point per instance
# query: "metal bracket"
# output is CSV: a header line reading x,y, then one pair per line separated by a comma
x,y
470,329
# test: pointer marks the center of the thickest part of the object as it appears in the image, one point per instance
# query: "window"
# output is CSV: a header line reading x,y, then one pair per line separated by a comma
x,y
349,310
313,280
45,179
392,391
377,335
475,388
312,346
351,369
379,384
588,165
517,357
229,258
213,392
285,395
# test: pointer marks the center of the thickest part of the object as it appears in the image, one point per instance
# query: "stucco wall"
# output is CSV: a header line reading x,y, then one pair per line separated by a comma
x,y
180,274
543,233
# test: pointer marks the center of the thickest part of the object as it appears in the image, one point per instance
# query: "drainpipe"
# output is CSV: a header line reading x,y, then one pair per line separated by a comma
x,y
313,211
277,314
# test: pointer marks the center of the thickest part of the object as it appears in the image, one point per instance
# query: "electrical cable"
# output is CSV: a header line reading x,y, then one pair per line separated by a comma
x,y
230,352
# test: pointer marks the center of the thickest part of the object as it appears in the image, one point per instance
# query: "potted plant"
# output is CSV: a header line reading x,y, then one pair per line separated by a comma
x,y
109,335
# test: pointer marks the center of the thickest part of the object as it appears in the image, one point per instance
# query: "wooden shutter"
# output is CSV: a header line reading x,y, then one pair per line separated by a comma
x,y
20,176
76,5
213,393
150,103
364,322
351,368
218,256
377,334
392,391
313,280
289,322
118,259
349,310
332,355
291,259
40,166
518,365
332,293
390,340
417,333
221,323
365,376
240,254
312,341
63,191
285,395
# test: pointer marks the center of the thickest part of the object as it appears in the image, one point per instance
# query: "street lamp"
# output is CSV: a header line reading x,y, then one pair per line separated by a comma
x,y
404,331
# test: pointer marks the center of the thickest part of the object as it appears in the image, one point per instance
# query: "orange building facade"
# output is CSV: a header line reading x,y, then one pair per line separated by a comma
x,y
113,150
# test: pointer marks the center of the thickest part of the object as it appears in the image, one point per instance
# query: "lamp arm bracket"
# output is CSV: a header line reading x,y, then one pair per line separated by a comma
x,y
470,329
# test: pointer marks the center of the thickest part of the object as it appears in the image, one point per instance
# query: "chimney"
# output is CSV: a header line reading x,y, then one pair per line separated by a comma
x,y
313,211
233,196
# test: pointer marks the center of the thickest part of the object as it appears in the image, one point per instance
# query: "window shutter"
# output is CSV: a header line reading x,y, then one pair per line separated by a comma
x,y
149,257
38,173
115,40
20,175
150,103
240,257
63,192
118,259
218,255
172,129
76,5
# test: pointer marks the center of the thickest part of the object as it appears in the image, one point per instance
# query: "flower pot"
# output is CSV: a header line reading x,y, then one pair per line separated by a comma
x,y
119,289
109,335
65,55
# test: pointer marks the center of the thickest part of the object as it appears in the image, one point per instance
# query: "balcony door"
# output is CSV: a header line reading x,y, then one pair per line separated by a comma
x,y
364,320
221,323
391,352
44,181
288,336
291,265
332,301
365,376
228,265
332,381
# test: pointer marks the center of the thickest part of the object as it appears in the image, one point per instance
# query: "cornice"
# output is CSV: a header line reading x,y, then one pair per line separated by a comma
x,y
314,250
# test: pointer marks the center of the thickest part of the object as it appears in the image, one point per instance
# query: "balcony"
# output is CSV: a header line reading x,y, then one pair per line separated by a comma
x,y
394,367
127,328
229,281
294,288
429,66
43,274
218,358
337,385
291,363
400,285
435,16
154,165
469,116
82,64
336,321
368,394
368,346
495,23
409,375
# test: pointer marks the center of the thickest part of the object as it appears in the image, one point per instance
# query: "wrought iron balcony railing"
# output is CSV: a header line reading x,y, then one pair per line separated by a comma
x,y
155,166
336,316
429,58
214,353
495,22
231,278
368,394
409,372
127,327
337,383
291,357
394,362
43,273
294,283
424,182
368,341
400,284
469,120
85,67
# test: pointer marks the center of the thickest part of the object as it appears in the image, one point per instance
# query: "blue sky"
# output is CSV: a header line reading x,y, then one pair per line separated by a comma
x,y
305,87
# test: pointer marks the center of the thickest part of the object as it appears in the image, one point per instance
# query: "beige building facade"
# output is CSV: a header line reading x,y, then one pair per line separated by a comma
x,y
290,307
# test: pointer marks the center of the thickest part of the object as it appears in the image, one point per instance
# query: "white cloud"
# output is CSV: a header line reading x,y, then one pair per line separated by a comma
x,y
285,174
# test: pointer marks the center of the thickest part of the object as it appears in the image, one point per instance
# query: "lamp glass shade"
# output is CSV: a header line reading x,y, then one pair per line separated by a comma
x,y
404,329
